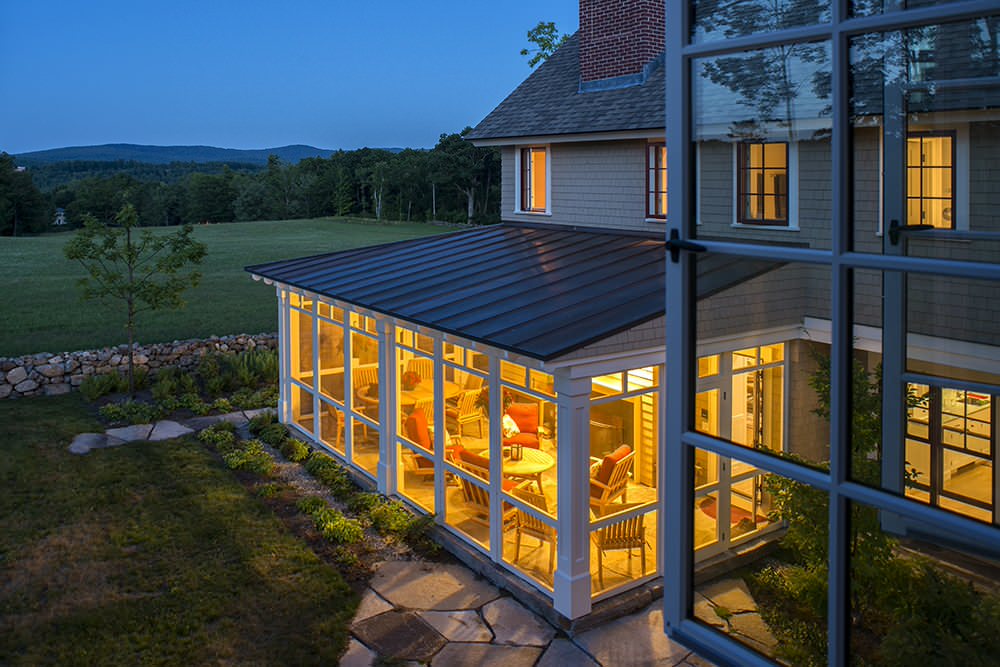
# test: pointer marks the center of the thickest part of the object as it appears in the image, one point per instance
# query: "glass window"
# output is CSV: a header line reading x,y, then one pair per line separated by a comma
x,y
762,195
656,186
533,179
930,173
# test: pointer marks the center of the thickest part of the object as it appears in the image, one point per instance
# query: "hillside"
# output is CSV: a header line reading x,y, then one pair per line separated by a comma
x,y
168,154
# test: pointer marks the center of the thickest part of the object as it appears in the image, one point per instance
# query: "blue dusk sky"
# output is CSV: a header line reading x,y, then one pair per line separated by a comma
x,y
258,73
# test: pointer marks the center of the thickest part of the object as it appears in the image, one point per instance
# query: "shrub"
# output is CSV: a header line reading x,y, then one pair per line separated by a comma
x,y
222,436
256,367
331,474
249,456
213,376
273,434
269,490
95,386
247,399
361,503
336,527
193,402
258,423
173,382
391,517
311,505
222,405
295,450
129,412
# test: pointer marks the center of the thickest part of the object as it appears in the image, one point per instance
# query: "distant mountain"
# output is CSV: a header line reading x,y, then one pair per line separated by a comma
x,y
168,154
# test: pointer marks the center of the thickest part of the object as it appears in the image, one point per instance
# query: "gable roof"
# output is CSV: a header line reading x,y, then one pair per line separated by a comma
x,y
540,292
549,102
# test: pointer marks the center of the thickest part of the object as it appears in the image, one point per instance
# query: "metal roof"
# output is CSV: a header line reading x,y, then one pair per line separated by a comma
x,y
540,292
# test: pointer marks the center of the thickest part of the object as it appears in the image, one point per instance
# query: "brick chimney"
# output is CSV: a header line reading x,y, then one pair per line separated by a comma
x,y
619,37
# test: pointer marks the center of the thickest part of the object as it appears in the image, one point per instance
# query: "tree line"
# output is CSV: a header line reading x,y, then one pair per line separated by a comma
x,y
455,181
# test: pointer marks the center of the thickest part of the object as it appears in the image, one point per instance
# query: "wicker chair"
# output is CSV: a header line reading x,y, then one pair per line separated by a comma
x,y
623,535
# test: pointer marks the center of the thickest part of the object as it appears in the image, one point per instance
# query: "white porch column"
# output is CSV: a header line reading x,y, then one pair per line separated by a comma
x,y
440,431
572,576
496,460
386,406
284,349
348,391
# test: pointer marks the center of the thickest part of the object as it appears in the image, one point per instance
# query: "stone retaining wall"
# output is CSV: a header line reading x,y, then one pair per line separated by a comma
x,y
50,374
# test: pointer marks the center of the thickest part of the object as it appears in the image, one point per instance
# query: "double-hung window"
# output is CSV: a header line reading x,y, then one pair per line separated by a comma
x,y
656,181
762,184
534,179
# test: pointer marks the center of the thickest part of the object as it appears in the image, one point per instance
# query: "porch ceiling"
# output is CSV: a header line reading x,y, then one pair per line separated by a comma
x,y
539,292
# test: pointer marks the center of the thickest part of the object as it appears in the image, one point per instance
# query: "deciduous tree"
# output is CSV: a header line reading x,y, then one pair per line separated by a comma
x,y
141,271
546,39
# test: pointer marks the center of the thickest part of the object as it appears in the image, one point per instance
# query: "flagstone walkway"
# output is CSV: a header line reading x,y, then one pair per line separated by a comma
x,y
444,615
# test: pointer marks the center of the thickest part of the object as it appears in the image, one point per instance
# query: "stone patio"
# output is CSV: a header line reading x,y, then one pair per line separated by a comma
x,y
444,615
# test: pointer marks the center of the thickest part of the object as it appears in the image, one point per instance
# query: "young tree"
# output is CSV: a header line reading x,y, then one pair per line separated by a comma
x,y
546,39
144,273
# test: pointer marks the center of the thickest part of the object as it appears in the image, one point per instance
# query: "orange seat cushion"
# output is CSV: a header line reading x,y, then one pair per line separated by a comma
x,y
525,415
417,431
610,461
524,439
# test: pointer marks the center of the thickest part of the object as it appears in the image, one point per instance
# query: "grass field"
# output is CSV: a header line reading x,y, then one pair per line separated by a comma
x,y
149,554
41,310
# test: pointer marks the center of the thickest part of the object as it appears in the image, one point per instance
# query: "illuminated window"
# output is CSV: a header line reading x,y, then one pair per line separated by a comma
x,y
656,200
533,179
930,178
762,197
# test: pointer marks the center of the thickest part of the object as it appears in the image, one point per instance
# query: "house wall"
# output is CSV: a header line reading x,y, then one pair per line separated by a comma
x,y
594,184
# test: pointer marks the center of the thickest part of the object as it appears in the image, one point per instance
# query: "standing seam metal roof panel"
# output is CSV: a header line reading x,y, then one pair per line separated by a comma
x,y
539,292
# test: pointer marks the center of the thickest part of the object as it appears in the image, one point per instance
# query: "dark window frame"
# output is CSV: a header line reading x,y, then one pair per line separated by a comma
x,y
921,134
744,171
655,166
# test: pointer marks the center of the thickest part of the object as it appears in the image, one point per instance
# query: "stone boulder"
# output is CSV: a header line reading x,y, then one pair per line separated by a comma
x,y
18,374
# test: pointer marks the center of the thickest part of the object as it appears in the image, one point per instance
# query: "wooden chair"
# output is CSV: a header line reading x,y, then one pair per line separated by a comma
x,y
418,431
363,376
468,412
610,482
477,499
527,524
623,535
422,367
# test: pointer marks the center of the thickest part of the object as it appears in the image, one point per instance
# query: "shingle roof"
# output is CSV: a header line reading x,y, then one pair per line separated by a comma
x,y
549,102
540,292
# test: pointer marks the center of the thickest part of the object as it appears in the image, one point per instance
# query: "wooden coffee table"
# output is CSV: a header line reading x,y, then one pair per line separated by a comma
x,y
531,466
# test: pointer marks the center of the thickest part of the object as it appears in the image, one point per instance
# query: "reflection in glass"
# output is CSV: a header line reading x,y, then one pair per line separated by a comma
x,y
721,19
776,605
918,600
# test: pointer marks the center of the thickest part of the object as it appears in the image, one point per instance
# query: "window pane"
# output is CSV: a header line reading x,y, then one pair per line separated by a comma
x,y
331,360
364,376
415,476
623,552
332,426
302,408
912,595
715,19
775,605
366,445
945,76
301,342
768,394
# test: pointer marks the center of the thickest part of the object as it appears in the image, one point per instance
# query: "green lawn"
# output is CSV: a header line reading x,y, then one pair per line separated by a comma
x,y
148,554
42,310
